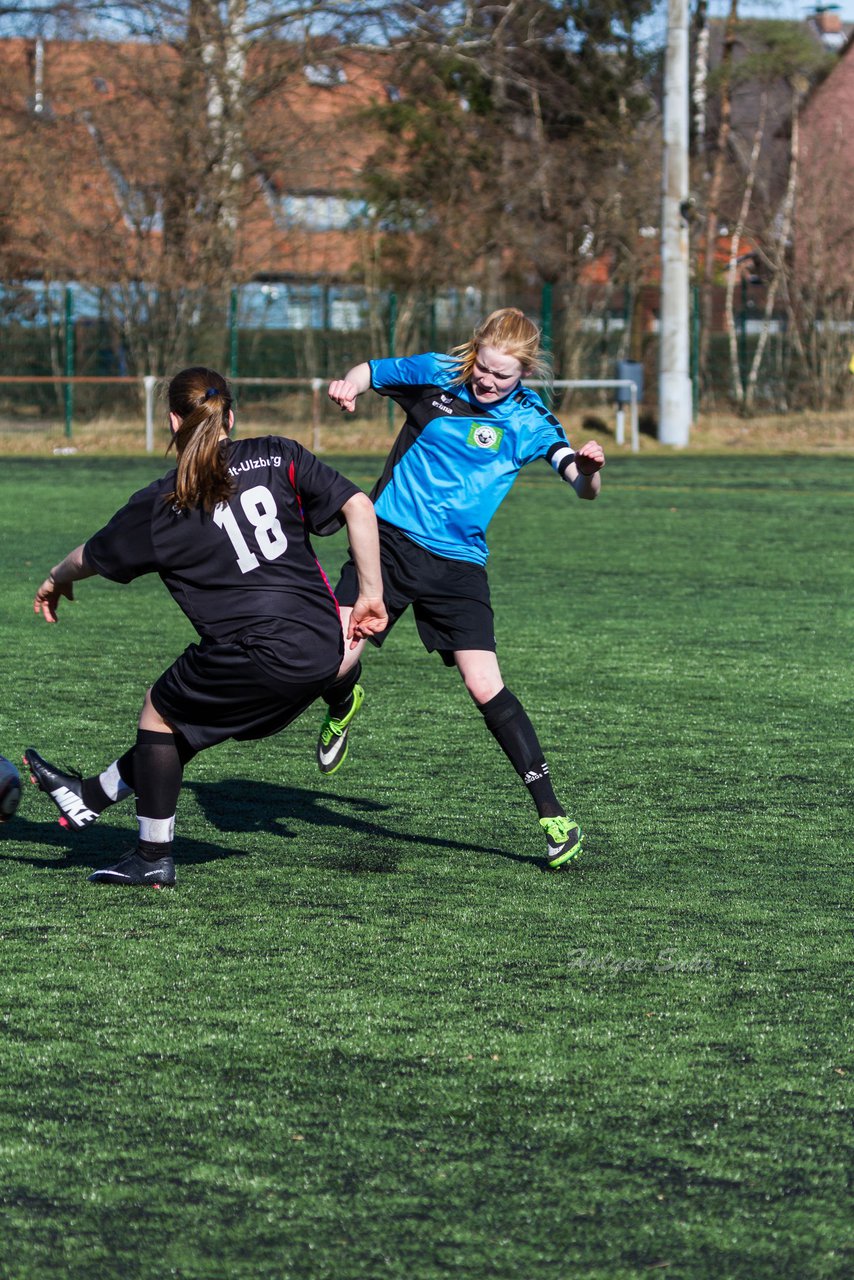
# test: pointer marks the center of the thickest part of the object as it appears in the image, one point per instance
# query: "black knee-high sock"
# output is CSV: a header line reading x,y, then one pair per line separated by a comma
x,y
508,723
93,793
158,772
338,695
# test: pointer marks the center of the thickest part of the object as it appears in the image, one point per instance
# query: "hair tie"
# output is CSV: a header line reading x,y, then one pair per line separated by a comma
x,y
210,392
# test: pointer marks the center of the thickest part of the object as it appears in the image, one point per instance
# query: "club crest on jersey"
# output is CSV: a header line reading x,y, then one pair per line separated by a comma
x,y
483,436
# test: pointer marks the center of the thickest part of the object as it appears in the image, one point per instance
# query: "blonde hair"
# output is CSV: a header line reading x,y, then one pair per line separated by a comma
x,y
202,400
510,331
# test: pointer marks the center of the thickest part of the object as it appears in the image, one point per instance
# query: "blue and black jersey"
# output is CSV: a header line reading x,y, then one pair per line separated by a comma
x,y
455,459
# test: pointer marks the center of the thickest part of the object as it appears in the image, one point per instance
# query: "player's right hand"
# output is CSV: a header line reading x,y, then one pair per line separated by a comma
x,y
48,596
368,618
344,393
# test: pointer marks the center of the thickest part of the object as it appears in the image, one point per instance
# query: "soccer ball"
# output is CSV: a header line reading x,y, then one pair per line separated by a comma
x,y
10,789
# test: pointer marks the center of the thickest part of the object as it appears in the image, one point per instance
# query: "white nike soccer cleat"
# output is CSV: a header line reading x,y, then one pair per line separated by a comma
x,y
64,789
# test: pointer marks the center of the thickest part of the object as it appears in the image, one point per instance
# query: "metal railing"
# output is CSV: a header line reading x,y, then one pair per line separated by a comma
x,y
315,386
620,432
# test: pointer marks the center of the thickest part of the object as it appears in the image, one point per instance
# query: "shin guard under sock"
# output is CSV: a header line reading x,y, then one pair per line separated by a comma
x,y
116,782
338,696
158,773
508,723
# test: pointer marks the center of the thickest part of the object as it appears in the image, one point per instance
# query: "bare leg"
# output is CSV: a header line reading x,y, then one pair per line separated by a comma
x,y
351,656
151,719
480,673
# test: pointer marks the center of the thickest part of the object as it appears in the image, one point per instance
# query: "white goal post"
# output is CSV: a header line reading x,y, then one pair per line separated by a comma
x,y
315,386
630,386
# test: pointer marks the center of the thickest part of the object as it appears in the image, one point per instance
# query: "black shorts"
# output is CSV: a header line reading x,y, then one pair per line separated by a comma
x,y
449,598
215,691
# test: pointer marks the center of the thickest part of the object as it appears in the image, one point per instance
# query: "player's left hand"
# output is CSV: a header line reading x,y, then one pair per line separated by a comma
x,y
48,596
590,458
368,618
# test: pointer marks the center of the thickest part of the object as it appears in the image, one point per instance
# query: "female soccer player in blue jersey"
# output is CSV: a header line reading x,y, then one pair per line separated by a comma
x,y
470,427
228,533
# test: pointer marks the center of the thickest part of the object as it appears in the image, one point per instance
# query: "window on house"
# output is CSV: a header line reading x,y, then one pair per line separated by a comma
x,y
323,75
320,212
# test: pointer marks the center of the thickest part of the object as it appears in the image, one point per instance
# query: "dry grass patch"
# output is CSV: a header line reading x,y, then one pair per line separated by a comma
x,y
371,433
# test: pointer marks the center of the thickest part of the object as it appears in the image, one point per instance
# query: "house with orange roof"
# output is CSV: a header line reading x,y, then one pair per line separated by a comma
x,y
100,167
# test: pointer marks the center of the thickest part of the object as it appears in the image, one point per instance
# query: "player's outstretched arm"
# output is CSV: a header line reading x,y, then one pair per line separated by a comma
x,y
583,472
354,383
59,583
369,616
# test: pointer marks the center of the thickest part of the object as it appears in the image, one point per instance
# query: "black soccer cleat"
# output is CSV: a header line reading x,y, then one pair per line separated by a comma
x,y
64,789
134,869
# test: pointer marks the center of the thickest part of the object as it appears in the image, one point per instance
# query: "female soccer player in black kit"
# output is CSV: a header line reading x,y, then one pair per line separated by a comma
x,y
228,533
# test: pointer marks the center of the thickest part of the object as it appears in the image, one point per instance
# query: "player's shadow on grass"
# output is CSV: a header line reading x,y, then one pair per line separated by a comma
x,y
98,846
370,845
233,805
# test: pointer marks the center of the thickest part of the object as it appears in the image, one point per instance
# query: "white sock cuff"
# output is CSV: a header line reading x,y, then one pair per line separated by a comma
x,y
156,830
113,783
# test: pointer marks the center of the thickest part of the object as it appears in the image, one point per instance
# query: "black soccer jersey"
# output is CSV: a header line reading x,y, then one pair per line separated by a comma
x,y
245,572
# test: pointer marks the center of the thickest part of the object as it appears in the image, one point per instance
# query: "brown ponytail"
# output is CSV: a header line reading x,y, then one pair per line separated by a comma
x,y
202,400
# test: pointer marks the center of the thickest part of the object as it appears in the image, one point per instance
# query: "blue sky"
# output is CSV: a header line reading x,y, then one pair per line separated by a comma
x,y
781,9
656,25
793,10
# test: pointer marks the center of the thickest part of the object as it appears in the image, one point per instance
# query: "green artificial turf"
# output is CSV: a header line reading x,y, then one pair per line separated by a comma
x,y
369,1034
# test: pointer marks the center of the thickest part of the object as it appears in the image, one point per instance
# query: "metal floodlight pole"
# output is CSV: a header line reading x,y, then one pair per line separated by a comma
x,y
674,387
149,382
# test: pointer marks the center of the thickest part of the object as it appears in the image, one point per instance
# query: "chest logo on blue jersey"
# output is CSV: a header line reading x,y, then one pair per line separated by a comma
x,y
483,436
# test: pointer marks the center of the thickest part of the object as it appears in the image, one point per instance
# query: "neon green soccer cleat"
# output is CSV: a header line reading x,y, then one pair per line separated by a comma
x,y
563,840
332,743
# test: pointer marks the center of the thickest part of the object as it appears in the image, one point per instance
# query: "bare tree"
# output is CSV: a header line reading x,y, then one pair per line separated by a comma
x,y
750,184
736,265
713,180
517,127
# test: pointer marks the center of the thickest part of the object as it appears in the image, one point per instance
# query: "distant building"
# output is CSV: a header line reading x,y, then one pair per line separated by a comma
x,y
824,227
94,177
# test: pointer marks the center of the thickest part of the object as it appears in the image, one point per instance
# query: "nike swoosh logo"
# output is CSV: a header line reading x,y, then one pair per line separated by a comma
x,y
121,875
72,806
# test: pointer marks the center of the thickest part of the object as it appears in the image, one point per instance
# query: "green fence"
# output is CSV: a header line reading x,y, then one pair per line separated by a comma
x,y
299,330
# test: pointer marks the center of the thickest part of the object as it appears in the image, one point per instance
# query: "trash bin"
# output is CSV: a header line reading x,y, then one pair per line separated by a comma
x,y
631,370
